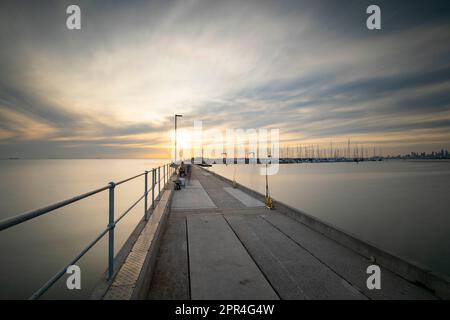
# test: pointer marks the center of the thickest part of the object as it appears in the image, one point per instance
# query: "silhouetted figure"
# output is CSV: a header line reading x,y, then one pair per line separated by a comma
x,y
182,169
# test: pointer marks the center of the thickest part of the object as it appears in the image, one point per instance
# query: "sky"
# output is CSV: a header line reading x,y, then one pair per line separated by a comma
x,y
311,69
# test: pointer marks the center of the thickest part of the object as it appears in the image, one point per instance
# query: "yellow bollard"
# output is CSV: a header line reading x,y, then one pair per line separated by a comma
x,y
269,203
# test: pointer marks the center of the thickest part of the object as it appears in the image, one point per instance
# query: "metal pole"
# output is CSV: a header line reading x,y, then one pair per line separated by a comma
x,y
153,188
111,226
175,140
176,116
159,182
146,197
164,175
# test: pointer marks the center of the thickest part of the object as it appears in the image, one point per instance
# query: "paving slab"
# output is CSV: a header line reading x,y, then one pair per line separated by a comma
x,y
345,262
170,280
192,198
193,183
220,267
292,271
244,198
215,189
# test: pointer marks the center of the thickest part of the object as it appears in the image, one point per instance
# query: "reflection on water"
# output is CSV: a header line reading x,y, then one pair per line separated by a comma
x,y
34,251
400,206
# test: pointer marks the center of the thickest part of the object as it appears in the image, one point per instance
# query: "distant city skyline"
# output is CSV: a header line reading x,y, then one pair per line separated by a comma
x,y
442,154
311,69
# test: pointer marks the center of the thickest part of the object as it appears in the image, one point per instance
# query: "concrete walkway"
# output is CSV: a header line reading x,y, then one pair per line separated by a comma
x,y
221,243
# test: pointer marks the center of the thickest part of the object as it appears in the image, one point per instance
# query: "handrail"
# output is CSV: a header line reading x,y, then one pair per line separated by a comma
x,y
16,220
57,276
129,179
11,222
130,208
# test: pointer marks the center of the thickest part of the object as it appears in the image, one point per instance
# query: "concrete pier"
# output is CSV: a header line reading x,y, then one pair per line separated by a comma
x,y
220,242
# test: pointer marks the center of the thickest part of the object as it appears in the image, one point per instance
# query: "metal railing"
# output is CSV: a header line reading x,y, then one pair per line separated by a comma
x,y
13,221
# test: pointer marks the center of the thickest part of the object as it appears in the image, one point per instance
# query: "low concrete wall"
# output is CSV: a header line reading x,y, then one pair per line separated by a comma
x,y
413,272
143,283
103,285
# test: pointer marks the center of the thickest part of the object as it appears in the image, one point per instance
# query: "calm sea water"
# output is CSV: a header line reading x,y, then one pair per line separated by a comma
x,y
33,252
401,206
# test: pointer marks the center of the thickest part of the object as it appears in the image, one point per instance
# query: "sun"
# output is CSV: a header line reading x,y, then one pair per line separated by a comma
x,y
184,143
184,139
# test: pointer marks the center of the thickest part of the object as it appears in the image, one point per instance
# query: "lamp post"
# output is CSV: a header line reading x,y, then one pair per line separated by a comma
x,y
176,116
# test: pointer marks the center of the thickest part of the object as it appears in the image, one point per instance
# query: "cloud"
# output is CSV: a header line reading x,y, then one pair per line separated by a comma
x,y
311,69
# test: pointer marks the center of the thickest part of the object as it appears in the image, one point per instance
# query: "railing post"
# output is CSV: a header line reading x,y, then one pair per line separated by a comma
x,y
164,175
159,182
111,226
146,196
153,188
